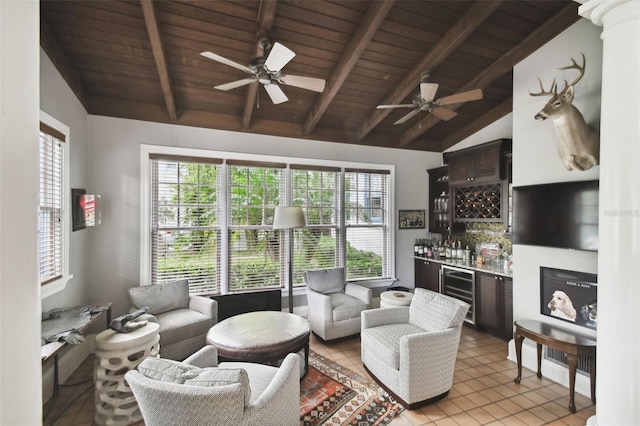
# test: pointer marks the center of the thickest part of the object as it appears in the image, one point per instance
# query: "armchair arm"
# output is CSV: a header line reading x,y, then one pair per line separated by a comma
x,y
362,293
205,306
282,392
438,350
319,305
376,317
205,357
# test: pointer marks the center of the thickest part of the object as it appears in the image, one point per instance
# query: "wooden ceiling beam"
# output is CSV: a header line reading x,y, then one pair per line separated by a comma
x,y
56,53
265,21
563,19
151,21
368,27
473,17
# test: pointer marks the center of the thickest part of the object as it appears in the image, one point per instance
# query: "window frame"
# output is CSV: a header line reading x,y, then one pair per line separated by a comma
x,y
145,187
58,284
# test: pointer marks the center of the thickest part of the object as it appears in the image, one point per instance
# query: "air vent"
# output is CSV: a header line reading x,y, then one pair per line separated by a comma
x,y
559,357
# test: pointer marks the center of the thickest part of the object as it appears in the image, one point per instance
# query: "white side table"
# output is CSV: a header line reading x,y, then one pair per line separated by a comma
x,y
394,298
117,353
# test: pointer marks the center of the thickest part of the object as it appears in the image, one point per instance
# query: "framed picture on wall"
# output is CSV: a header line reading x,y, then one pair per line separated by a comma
x,y
411,219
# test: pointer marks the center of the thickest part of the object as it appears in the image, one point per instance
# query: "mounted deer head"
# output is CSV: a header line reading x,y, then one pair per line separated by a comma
x,y
578,143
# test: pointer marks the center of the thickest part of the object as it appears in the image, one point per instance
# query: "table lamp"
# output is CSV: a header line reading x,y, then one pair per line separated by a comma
x,y
289,218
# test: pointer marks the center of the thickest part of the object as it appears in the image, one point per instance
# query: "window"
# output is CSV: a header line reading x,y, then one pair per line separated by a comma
x,y
254,247
367,224
211,220
185,214
317,191
53,211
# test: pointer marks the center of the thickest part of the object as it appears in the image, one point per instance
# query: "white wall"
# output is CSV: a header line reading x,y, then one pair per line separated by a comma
x,y
115,169
19,281
536,161
499,129
59,101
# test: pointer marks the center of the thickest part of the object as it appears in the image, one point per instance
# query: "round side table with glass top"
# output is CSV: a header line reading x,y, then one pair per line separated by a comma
x,y
117,353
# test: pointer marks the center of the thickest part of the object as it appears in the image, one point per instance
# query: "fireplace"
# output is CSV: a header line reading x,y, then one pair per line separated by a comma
x,y
569,296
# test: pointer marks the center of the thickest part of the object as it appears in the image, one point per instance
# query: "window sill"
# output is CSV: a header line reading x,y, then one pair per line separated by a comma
x,y
54,287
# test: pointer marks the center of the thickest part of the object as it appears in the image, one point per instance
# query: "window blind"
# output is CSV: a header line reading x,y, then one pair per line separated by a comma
x,y
318,245
255,251
51,204
185,241
367,224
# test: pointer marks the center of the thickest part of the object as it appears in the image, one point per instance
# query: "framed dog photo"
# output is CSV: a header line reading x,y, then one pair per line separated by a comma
x,y
411,219
569,296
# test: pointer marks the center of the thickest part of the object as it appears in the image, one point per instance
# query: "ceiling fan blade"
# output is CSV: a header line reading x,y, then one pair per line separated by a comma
x,y
471,95
443,113
395,106
234,84
428,91
408,116
309,83
279,56
226,61
275,93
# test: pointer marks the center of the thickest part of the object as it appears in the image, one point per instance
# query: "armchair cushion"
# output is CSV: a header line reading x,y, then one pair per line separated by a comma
x,y
161,297
346,307
387,341
166,370
326,281
182,324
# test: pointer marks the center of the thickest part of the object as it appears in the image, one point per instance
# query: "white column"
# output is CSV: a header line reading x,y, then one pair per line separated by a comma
x,y
20,313
618,353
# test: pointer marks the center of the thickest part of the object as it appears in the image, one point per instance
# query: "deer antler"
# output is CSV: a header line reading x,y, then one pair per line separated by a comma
x,y
574,66
550,92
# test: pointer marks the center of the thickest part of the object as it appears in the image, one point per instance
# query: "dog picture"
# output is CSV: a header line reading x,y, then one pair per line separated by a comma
x,y
561,306
589,313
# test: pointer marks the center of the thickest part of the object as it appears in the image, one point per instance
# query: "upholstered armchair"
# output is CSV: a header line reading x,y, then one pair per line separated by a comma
x,y
334,305
184,320
199,392
411,350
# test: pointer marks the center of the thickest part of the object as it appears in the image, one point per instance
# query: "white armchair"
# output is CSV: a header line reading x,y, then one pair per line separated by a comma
x,y
334,305
199,392
184,320
411,350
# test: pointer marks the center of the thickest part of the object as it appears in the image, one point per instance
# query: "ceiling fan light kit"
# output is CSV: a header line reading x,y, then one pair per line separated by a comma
x,y
267,70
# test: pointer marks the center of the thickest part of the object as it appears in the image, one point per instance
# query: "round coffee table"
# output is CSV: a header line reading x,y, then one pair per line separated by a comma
x,y
264,337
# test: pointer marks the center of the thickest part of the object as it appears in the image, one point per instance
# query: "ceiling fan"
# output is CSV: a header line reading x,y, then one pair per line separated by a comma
x,y
423,101
267,70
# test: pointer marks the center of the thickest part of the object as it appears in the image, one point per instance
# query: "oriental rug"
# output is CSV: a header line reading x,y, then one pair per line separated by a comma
x,y
331,394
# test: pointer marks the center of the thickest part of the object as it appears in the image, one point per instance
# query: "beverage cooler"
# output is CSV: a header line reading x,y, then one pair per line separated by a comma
x,y
460,283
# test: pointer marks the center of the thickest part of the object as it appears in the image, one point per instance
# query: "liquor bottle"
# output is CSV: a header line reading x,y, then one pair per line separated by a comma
x,y
415,248
420,248
447,249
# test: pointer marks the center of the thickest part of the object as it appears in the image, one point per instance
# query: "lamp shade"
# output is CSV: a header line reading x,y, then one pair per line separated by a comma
x,y
288,217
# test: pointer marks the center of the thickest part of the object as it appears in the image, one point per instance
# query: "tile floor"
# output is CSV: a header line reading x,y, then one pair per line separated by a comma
x,y
483,392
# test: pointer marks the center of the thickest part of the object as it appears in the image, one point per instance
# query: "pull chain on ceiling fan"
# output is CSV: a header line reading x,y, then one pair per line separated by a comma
x,y
267,70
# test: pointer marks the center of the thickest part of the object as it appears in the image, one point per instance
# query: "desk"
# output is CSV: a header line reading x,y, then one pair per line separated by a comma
x,y
572,344
52,350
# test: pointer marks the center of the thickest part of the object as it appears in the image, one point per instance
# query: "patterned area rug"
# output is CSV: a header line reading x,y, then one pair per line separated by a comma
x,y
331,394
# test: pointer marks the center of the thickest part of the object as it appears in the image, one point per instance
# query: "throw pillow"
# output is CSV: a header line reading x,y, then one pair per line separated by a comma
x,y
167,370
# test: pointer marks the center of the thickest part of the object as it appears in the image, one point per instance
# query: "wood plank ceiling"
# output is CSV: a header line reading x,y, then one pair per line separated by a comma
x,y
141,60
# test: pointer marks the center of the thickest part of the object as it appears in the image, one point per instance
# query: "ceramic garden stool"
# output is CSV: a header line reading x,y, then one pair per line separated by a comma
x,y
117,353
395,298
